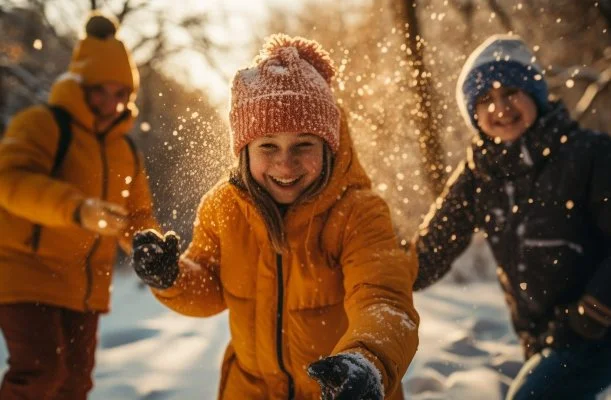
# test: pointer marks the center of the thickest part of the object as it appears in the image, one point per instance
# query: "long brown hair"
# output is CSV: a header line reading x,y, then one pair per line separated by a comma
x,y
272,217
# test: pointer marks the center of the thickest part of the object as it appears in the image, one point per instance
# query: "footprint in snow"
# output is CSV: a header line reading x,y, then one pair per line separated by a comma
x,y
115,339
487,329
158,395
465,346
444,367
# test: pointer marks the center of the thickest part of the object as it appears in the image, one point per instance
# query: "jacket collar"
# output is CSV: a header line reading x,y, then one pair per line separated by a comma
x,y
529,152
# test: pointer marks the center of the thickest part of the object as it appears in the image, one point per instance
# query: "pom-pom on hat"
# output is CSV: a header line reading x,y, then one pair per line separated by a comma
x,y
505,59
286,90
100,57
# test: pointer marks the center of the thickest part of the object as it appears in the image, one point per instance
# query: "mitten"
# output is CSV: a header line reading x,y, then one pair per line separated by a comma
x,y
347,376
155,258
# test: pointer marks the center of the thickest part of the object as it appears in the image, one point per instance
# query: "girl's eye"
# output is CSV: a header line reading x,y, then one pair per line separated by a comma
x,y
303,147
267,146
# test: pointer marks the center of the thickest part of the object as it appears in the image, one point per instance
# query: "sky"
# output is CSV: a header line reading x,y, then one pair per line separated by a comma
x,y
233,23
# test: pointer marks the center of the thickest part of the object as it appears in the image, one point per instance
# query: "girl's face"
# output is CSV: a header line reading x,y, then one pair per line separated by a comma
x,y
286,164
505,112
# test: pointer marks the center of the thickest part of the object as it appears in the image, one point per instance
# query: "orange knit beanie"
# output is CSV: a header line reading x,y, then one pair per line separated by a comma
x,y
100,57
285,91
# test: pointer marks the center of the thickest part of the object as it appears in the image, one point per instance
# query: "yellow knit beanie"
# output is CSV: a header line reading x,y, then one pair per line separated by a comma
x,y
100,57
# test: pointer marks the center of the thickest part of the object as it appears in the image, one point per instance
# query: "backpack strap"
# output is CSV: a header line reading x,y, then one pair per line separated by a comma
x,y
62,119
134,149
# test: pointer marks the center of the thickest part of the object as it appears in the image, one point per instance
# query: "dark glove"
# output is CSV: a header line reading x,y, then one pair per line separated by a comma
x,y
347,376
155,258
582,324
569,325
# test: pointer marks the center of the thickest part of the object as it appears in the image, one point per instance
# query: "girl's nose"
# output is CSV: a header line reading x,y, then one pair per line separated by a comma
x,y
285,160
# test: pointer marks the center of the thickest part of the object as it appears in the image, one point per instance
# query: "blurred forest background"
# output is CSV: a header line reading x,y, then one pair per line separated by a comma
x,y
398,62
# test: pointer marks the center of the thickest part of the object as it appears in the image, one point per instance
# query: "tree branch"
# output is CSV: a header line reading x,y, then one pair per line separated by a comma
x,y
431,148
500,12
124,11
559,79
592,91
466,9
605,10
32,83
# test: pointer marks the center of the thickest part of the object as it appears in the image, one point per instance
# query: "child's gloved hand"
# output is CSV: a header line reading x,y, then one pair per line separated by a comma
x,y
101,217
347,376
155,258
568,325
581,323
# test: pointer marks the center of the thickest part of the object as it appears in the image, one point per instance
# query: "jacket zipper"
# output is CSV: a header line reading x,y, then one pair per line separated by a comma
x,y
279,313
35,238
88,269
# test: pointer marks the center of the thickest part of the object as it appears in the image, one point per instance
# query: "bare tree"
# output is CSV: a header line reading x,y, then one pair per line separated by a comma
x,y
431,148
500,12
466,9
605,9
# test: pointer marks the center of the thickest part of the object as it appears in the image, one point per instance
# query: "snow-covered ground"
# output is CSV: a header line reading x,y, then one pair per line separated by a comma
x,y
147,352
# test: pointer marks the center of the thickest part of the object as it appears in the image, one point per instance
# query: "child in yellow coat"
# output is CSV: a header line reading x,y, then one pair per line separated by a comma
x,y
295,245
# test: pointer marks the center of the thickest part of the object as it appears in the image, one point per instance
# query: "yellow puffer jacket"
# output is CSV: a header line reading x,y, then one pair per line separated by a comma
x,y
343,286
70,267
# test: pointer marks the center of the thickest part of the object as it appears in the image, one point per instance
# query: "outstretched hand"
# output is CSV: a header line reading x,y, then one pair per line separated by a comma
x,y
155,258
102,217
347,376
574,316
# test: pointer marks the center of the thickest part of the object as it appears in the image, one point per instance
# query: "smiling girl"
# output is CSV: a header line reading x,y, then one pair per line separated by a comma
x,y
295,245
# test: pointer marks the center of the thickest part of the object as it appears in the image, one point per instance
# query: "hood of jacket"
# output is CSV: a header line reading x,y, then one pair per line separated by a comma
x,y
67,92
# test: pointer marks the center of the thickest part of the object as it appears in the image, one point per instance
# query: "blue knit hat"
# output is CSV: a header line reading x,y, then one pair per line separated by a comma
x,y
505,59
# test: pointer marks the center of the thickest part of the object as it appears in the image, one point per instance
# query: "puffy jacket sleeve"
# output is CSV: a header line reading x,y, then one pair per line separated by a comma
x,y
597,298
447,228
198,291
139,206
27,153
378,279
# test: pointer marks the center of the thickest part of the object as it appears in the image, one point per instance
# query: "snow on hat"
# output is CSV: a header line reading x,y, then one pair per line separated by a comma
x,y
100,57
286,90
500,58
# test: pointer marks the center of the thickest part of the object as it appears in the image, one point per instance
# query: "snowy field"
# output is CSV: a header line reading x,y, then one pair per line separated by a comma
x,y
146,352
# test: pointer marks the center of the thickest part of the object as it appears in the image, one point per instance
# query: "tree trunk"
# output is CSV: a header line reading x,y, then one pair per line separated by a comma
x,y
605,10
431,149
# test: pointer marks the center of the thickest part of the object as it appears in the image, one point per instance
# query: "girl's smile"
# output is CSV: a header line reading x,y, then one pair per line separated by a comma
x,y
286,164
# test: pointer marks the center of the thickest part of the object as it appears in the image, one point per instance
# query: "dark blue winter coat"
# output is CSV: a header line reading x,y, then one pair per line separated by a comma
x,y
544,204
